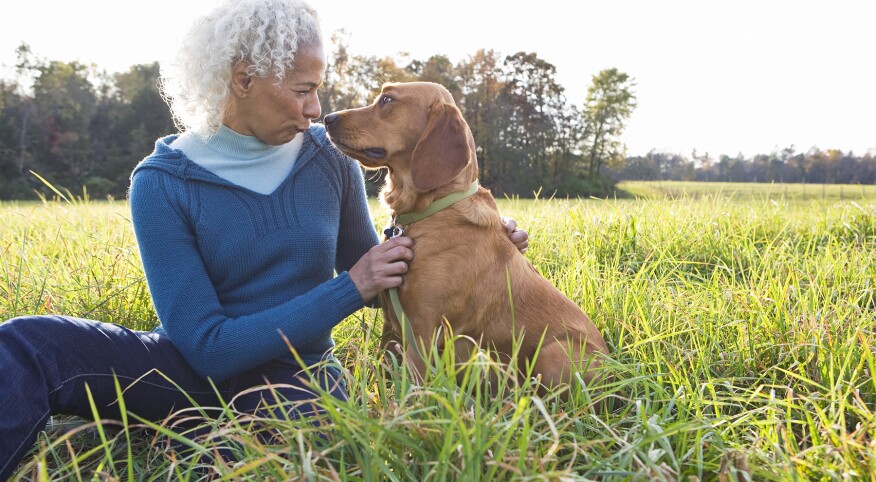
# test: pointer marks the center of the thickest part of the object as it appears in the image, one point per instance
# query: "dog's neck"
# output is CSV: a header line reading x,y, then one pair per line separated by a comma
x,y
400,197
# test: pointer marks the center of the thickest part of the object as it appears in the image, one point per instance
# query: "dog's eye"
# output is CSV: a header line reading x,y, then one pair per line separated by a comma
x,y
385,99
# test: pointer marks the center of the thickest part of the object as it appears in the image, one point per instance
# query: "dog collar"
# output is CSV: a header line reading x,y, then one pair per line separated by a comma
x,y
436,206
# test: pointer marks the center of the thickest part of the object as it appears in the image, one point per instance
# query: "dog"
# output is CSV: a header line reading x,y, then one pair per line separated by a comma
x,y
466,272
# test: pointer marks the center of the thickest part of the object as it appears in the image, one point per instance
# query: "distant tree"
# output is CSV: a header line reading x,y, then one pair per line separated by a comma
x,y
382,70
534,103
76,125
702,162
65,102
438,69
638,168
610,102
9,142
341,90
355,80
481,83
137,92
23,108
131,114
565,176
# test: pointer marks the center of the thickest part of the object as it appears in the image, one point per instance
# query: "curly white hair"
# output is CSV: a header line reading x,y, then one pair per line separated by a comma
x,y
264,33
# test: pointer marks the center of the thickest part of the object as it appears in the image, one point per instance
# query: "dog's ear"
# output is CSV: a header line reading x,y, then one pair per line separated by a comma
x,y
442,151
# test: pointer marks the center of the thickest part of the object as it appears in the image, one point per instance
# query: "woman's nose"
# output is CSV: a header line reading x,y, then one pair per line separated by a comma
x,y
312,109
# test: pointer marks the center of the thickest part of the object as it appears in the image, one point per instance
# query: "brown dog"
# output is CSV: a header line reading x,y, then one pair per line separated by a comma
x,y
465,268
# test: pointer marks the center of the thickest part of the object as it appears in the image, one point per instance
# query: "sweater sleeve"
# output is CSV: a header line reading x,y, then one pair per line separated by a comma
x,y
215,345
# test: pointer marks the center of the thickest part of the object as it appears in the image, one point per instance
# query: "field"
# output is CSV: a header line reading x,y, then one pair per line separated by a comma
x,y
742,326
741,190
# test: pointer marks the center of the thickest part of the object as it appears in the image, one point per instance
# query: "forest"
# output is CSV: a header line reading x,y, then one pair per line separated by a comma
x,y
82,129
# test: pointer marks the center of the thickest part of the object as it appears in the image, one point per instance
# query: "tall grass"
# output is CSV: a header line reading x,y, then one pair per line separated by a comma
x,y
748,190
742,333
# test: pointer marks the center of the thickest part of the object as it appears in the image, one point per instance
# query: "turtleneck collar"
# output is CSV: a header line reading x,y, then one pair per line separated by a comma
x,y
239,146
242,160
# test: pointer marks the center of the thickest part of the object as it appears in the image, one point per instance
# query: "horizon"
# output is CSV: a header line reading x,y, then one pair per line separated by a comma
x,y
746,78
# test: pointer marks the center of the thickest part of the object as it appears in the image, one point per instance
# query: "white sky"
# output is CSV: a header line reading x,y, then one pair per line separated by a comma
x,y
723,77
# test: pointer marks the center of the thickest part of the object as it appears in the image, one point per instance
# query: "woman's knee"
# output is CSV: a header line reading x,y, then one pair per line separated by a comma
x,y
38,326
26,334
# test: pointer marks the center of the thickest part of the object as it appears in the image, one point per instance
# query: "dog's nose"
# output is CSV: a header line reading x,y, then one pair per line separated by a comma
x,y
330,118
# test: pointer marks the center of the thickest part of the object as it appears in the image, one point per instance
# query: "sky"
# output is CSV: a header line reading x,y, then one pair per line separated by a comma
x,y
719,77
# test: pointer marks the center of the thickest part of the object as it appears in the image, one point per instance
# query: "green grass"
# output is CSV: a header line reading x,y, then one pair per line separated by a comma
x,y
742,190
742,330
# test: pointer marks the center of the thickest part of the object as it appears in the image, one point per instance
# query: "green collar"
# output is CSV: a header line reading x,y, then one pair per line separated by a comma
x,y
438,205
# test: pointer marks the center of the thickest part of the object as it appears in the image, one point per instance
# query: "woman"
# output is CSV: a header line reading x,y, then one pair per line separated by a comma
x,y
242,222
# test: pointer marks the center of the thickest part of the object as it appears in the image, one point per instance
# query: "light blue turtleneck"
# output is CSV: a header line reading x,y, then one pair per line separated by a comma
x,y
243,160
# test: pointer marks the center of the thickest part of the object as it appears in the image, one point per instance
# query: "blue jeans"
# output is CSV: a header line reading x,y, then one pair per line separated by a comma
x,y
46,361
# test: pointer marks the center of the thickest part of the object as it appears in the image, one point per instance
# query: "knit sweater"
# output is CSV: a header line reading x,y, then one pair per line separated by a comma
x,y
232,272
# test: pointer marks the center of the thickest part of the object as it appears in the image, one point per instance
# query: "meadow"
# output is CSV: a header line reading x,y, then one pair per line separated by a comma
x,y
741,324
748,190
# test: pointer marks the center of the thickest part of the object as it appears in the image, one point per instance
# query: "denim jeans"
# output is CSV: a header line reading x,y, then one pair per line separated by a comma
x,y
46,361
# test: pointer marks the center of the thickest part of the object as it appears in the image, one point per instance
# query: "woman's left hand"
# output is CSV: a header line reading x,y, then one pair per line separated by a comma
x,y
517,236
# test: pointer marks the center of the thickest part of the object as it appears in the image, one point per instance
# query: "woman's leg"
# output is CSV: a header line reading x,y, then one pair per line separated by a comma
x,y
46,362
278,390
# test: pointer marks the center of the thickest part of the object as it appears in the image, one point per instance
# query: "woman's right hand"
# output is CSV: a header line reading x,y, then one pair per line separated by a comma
x,y
382,267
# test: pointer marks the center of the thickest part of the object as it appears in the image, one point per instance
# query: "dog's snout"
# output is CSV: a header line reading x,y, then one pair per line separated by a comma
x,y
330,118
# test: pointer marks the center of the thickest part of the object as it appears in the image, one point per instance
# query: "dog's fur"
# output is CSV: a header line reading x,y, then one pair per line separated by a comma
x,y
464,261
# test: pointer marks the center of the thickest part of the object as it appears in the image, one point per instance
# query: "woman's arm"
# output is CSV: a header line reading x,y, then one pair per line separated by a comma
x,y
215,344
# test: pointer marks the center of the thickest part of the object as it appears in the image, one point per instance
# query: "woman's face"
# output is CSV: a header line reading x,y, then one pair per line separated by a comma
x,y
276,113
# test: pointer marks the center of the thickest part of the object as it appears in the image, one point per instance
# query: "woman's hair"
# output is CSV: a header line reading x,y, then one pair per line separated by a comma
x,y
266,34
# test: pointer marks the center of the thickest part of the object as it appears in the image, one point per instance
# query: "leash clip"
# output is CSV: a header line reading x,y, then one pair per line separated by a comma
x,y
394,231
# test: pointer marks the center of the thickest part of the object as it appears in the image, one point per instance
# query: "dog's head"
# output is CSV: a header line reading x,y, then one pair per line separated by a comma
x,y
414,129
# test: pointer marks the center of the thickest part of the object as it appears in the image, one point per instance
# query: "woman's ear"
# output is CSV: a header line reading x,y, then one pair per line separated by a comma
x,y
240,79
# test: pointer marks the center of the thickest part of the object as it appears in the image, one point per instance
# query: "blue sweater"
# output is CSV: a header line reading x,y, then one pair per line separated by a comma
x,y
230,270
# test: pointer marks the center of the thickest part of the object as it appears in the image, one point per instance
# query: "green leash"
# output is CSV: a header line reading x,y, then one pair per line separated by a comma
x,y
397,230
404,321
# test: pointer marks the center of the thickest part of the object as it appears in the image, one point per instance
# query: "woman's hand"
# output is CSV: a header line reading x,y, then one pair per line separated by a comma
x,y
519,237
382,267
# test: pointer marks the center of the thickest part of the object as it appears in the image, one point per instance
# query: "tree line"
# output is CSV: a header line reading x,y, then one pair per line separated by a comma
x,y
76,126
82,128
815,166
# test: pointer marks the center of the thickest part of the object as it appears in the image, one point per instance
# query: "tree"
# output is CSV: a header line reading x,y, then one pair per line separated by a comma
x,y
130,115
438,69
610,102
9,142
341,90
481,83
26,68
533,105
65,102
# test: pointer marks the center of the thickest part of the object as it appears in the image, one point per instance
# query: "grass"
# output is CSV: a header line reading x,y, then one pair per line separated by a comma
x,y
742,190
742,329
